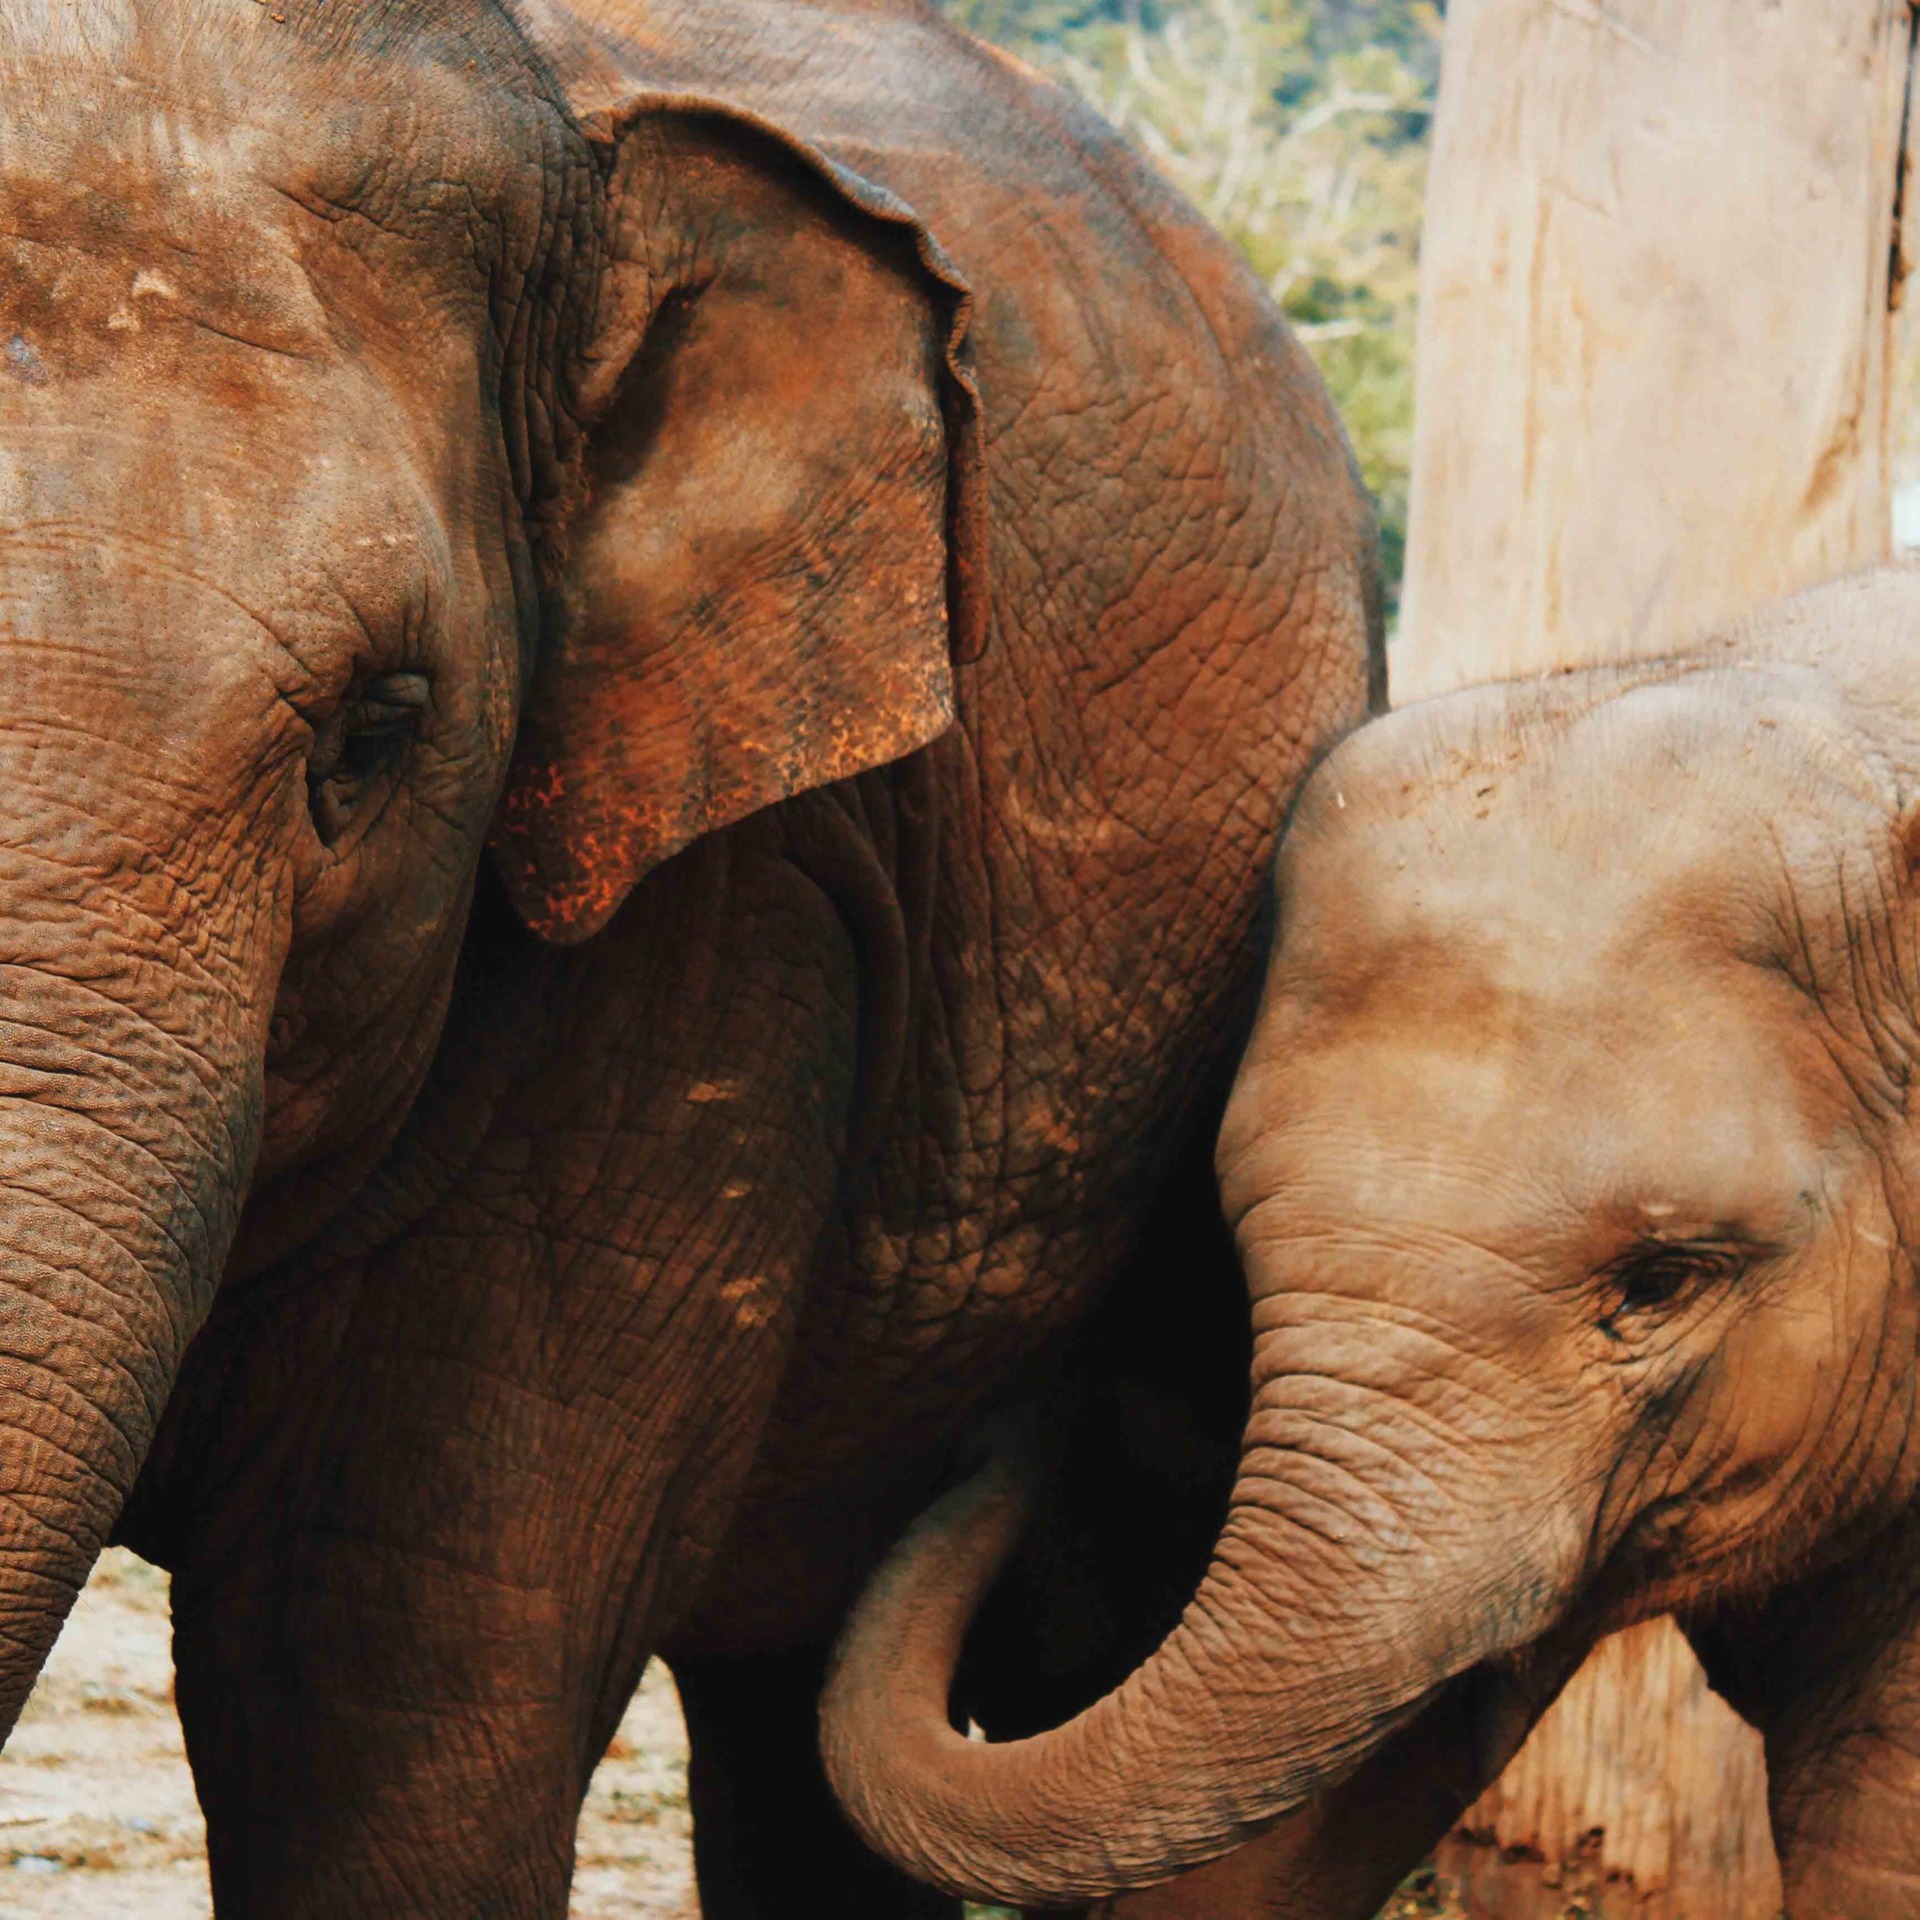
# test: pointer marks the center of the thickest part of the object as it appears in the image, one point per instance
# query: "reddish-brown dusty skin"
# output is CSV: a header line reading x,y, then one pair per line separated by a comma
x,y
876,567
98,1819
1573,1169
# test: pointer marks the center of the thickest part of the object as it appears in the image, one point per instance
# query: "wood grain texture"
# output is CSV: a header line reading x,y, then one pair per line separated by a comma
x,y
1640,1795
1659,268
1654,348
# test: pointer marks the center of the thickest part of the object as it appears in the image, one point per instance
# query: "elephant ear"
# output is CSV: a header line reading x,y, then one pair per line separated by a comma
x,y
768,562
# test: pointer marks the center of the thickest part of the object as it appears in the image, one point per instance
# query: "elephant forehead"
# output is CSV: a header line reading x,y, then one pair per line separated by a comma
x,y
1673,816
1552,1140
184,49
185,162
120,227
218,248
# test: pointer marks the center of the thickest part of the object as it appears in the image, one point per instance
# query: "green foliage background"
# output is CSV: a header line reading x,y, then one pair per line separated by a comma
x,y
1300,128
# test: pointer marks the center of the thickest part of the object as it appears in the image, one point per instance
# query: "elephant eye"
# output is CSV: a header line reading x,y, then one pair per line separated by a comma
x,y
1657,1273
359,750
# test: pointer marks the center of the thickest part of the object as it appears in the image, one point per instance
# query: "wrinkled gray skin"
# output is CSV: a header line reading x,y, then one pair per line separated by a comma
x,y
873,565
1574,1172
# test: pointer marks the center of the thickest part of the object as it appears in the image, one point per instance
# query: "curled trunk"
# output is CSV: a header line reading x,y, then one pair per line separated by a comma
x,y
1342,1593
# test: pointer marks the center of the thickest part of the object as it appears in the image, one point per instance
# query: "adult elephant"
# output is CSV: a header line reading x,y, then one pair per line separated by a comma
x,y
1574,1169
874,566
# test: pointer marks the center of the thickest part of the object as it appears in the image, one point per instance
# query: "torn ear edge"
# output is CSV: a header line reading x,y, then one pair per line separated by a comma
x,y
572,838
967,603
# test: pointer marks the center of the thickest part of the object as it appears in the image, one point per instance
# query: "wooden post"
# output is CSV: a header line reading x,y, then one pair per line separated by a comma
x,y
1653,348
1658,268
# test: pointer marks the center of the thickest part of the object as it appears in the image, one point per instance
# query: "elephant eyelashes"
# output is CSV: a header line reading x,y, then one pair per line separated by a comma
x,y
359,750
1659,1272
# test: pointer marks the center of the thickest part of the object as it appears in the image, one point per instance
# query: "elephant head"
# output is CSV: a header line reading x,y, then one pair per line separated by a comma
x,y
1573,1176
418,425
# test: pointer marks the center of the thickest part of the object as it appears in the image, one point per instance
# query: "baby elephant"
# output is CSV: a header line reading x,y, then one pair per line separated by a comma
x,y
1574,1170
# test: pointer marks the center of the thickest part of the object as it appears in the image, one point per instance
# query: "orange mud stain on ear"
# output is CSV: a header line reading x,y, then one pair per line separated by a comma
x,y
533,788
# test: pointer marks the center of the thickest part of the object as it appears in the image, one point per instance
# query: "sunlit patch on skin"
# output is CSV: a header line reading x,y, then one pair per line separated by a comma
x,y
24,362
750,1302
147,285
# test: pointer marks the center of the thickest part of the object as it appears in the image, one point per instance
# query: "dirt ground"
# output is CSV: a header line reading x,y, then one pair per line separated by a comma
x,y
98,1819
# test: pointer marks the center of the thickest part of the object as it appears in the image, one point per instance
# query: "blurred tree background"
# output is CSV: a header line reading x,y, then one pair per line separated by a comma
x,y
1300,128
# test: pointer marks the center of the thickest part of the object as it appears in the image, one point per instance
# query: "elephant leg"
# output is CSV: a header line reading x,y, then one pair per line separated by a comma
x,y
397,1684
768,1838
430,1502
1829,1671
354,1761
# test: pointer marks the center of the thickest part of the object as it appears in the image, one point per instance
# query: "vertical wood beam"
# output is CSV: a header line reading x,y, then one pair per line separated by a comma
x,y
1654,367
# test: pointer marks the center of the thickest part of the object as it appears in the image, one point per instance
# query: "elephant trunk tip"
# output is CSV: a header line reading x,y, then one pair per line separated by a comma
x,y
1045,1821
886,1732
1258,1701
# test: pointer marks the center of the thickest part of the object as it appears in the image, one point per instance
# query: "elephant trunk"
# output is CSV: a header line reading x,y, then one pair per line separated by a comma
x,y
131,1046
1348,1584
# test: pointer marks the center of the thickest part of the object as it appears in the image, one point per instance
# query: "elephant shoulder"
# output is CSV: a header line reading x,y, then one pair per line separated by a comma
x,y
1165,466
1045,209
